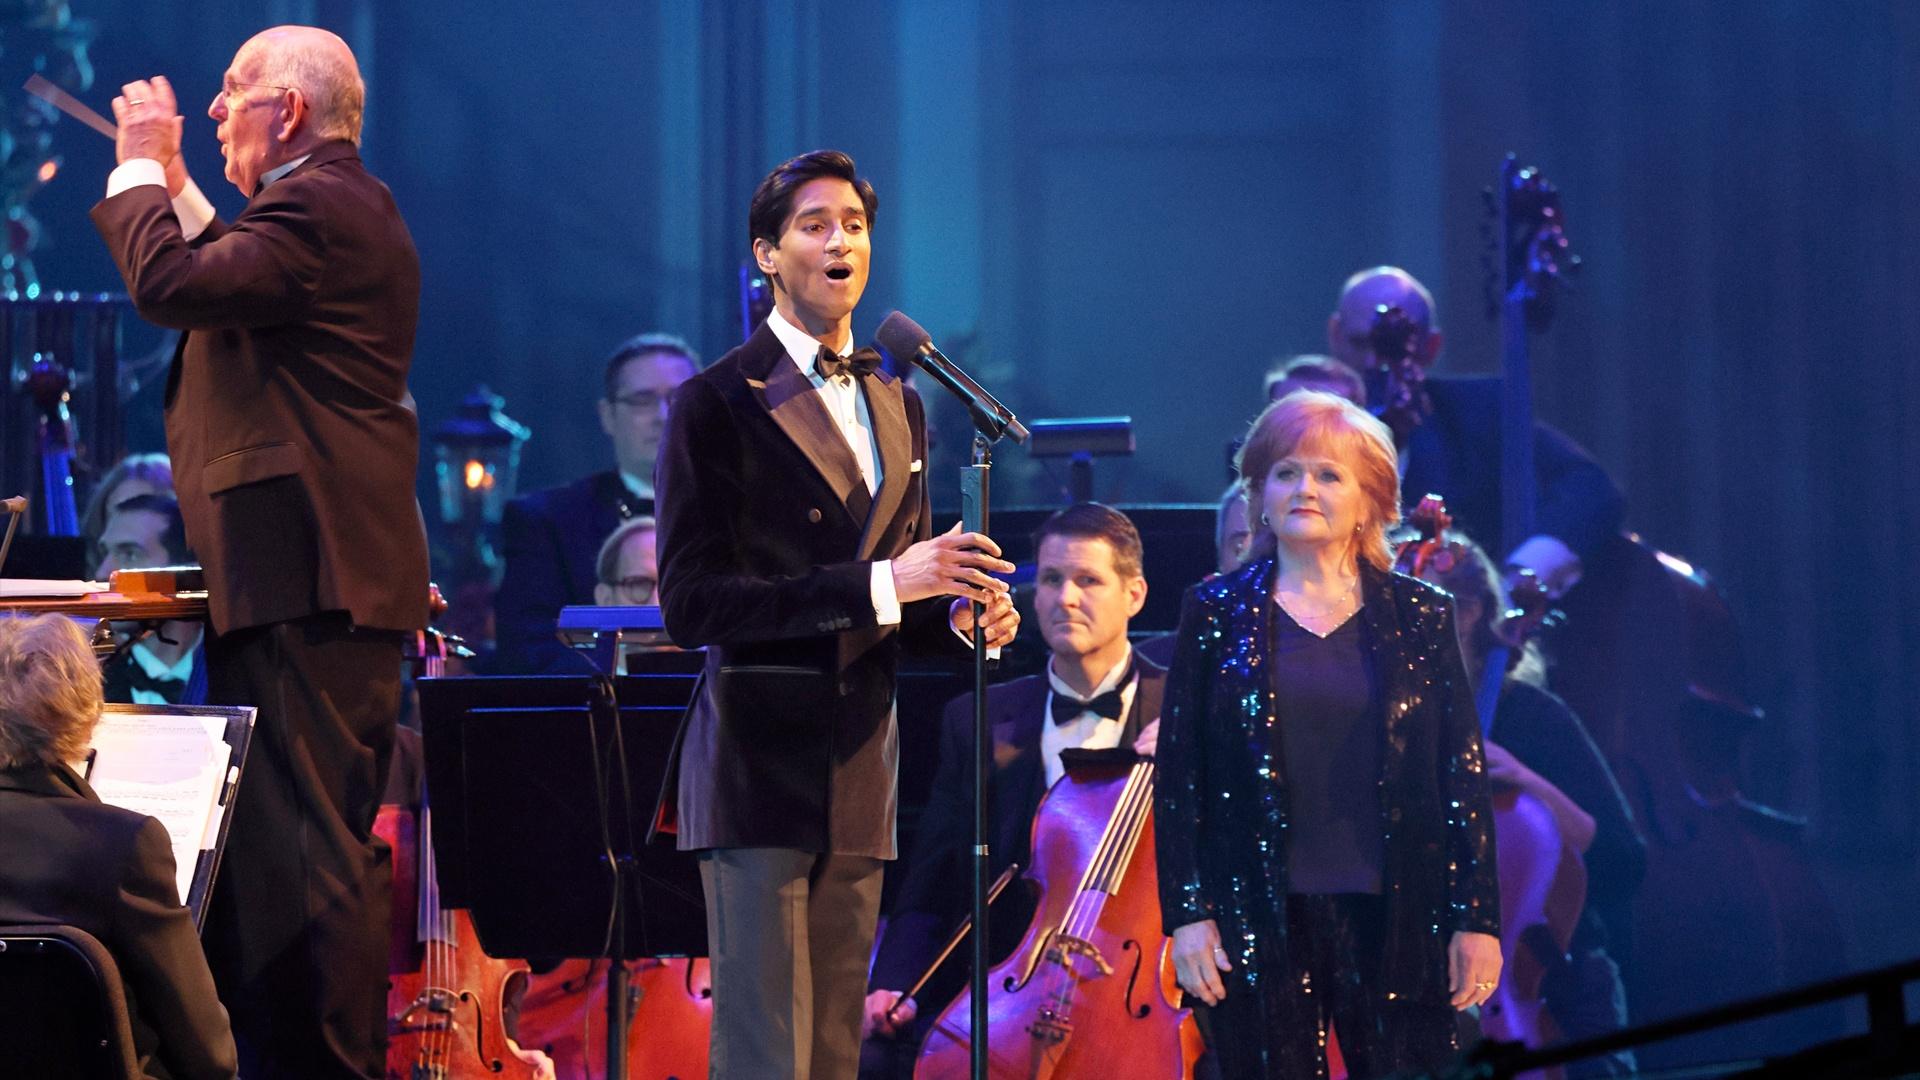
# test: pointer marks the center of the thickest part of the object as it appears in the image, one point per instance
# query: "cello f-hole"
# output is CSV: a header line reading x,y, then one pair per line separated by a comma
x,y
479,1032
1133,977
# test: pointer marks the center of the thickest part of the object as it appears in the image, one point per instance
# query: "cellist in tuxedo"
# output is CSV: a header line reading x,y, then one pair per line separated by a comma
x,y
796,545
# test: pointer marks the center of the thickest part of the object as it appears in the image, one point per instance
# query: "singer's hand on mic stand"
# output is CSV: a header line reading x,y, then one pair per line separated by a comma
x,y
998,625
951,564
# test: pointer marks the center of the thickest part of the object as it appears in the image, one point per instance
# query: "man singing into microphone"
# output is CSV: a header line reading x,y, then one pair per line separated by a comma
x,y
796,543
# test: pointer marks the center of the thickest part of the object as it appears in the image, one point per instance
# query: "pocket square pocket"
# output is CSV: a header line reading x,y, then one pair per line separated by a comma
x,y
915,467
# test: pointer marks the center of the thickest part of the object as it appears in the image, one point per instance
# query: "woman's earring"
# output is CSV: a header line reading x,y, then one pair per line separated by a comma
x,y
1263,518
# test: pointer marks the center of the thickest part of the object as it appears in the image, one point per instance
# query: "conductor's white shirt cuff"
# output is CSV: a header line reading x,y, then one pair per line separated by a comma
x,y
191,207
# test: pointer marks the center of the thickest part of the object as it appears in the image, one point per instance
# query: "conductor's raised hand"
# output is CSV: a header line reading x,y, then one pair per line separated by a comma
x,y
150,124
951,564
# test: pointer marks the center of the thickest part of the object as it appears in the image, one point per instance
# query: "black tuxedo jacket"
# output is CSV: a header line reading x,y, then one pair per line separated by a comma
x,y
65,857
935,895
767,540
552,539
293,436
1456,454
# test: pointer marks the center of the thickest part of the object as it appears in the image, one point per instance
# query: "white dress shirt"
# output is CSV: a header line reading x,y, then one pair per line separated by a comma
x,y
848,407
191,205
1089,730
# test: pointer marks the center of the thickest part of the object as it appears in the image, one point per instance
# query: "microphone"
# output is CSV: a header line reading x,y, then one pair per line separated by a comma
x,y
902,337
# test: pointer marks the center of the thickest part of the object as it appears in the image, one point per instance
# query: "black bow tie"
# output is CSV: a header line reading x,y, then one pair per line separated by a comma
x,y
138,679
1067,708
831,364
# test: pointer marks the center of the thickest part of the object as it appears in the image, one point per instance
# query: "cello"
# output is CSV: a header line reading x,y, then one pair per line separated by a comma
x,y
669,1003
1090,991
1543,880
446,998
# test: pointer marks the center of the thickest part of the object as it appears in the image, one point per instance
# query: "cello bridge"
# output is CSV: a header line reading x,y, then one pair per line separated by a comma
x,y
1066,945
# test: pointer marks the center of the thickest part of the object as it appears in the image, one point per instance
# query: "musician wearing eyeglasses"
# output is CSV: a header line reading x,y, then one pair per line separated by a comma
x,y
294,444
551,539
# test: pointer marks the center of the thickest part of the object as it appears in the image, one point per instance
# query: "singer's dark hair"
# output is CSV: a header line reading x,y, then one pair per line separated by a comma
x,y
1097,521
646,345
773,199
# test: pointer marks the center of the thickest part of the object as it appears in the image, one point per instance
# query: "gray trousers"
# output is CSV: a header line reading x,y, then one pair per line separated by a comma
x,y
789,934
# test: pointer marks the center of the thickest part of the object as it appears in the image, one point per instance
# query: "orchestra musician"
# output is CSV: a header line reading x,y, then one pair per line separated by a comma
x,y
796,543
66,858
1538,745
1454,448
294,445
1097,692
1323,825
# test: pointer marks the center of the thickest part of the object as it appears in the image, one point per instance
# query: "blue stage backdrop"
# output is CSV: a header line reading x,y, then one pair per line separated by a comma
x,y
1131,207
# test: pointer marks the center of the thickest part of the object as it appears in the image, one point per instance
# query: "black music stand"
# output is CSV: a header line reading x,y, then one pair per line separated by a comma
x,y
544,789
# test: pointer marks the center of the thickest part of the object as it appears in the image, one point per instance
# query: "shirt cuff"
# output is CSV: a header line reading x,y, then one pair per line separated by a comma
x,y
135,173
192,208
886,602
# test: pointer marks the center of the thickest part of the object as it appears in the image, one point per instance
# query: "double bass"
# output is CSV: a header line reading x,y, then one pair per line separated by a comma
x,y
1646,650
1090,991
670,1010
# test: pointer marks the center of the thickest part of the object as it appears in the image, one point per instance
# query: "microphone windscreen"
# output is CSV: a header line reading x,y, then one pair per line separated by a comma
x,y
901,336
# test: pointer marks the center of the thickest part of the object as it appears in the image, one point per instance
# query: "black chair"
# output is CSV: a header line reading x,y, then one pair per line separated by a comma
x,y
63,1009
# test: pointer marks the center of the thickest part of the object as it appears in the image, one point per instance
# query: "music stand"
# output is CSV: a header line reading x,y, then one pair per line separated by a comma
x,y
544,789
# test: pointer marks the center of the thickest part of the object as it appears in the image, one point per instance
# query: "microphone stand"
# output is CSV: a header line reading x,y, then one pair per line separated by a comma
x,y
993,423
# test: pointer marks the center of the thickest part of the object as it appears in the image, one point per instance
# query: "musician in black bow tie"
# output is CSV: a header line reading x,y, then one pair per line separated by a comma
x,y
1096,693
796,544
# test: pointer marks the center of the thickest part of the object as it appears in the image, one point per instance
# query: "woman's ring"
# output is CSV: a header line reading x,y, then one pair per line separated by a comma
x,y
1483,985
136,101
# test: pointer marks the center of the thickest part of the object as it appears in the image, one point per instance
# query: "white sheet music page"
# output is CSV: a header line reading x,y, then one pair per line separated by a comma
x,y
169,767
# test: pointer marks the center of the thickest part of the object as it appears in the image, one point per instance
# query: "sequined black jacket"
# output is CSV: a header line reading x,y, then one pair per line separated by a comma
x,y
1221,814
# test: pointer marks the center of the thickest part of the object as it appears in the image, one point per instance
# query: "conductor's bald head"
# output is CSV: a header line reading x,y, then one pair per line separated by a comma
x,y
288,90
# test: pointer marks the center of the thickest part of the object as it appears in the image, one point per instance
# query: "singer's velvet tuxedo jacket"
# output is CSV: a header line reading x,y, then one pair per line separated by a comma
x,y
293,436
767,540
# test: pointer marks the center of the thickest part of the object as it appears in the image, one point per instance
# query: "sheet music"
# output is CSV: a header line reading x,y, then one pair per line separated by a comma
x,y
32,588
169,767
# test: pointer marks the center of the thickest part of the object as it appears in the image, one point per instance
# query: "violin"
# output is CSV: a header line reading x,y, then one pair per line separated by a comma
x,y
1543,880
1091,990
1397,383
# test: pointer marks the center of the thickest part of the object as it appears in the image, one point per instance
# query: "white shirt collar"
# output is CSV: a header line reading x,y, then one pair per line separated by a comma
x,y
800,345
179,671
1112,681
279,171
641,487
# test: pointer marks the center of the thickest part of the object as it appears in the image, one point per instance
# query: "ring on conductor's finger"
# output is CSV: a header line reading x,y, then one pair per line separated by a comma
x,y
1483,986
136,101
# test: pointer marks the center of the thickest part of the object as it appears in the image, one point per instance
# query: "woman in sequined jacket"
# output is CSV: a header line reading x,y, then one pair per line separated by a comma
x,y
1322,826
